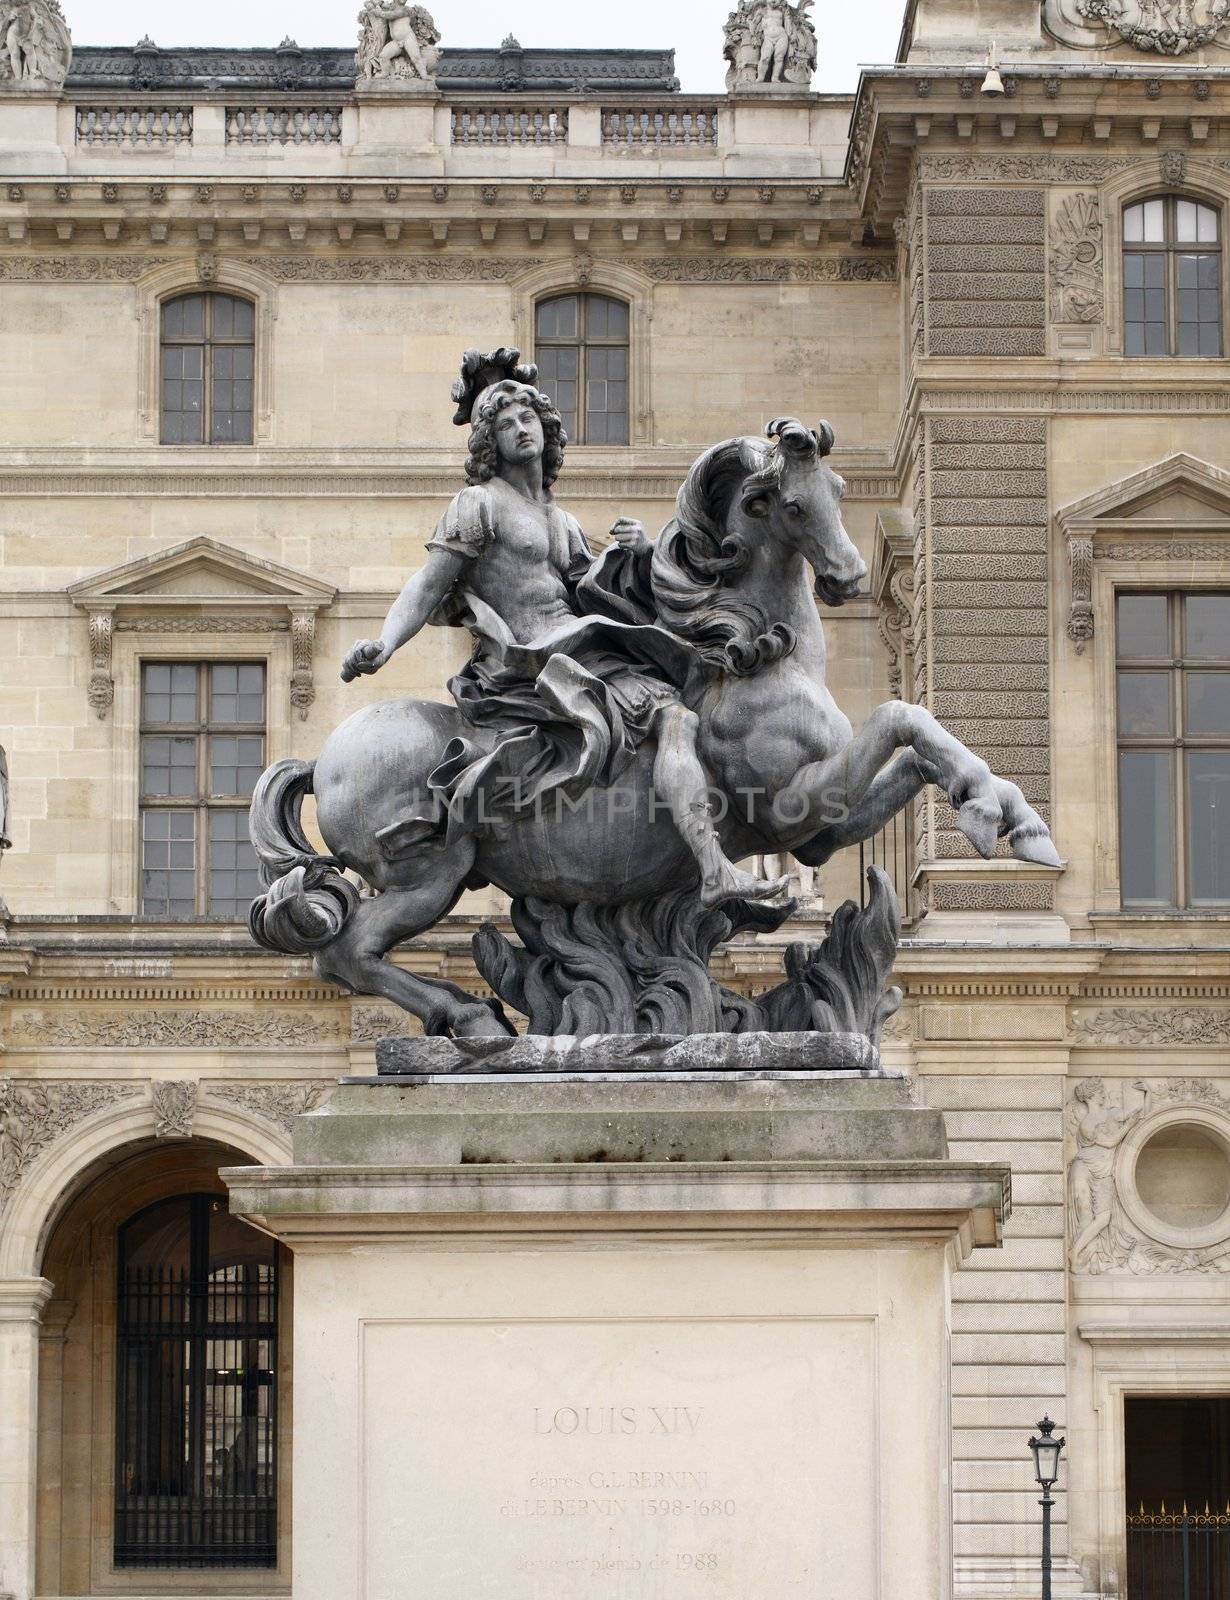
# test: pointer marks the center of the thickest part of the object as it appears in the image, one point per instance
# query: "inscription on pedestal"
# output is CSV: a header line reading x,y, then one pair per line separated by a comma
x,y
637,1460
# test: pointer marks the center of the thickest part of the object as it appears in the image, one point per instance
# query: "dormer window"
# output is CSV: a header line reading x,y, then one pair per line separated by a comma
x,y
1172,278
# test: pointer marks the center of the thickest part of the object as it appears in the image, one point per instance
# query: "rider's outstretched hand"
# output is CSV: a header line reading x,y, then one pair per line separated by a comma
x,y
631,536
368,656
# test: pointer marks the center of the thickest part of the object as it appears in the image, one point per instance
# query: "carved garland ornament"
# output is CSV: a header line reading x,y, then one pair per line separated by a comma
x,y
279,1103
1076,261
34,1115
1180,1026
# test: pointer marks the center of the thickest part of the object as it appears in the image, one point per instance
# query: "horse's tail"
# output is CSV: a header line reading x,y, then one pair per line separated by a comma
x,y
307,901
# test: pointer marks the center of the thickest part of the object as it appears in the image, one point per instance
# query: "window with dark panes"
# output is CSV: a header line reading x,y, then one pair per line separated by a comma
x,y
1174,750
202,750
208,359
1172,278
582,351
196,1390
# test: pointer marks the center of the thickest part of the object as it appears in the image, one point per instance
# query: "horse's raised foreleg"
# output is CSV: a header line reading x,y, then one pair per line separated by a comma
x,y
825,792
890,792
356,959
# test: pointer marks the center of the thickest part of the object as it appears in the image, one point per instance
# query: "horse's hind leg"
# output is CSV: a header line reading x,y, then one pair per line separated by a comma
x,y
356,959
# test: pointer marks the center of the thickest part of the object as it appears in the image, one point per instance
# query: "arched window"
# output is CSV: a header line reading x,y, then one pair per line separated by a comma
x,y
208,357
196,1403
1172,284
581,346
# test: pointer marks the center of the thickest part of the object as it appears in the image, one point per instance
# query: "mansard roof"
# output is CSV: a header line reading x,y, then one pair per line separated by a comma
x,y
291,70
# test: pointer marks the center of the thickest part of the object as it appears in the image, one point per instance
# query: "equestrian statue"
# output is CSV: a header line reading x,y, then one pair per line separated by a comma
x,y
628,729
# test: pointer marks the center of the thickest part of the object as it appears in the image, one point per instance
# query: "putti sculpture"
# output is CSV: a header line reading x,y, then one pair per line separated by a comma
x,y
629,727
770,42
35,49
397,42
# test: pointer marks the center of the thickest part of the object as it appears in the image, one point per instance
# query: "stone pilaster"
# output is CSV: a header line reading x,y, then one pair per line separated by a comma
x,y
21,1304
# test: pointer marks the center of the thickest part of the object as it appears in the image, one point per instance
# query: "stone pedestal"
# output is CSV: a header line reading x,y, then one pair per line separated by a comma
x,y
636,1339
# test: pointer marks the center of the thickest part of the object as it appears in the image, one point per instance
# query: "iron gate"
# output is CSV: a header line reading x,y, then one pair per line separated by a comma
x,y
196,1467
1179,1555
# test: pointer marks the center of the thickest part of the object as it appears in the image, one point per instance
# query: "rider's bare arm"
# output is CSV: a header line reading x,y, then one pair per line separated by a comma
x,y
409,614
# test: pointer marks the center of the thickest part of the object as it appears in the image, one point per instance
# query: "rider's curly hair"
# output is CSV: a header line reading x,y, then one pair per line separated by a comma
x,y
483,459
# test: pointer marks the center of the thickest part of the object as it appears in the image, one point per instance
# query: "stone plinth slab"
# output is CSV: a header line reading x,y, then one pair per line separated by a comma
x,y
706,1358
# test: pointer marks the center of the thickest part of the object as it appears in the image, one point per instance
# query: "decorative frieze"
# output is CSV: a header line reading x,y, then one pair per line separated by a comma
x,y
1024,169
769,269
171,1030
1173,1027
34,1115
447,268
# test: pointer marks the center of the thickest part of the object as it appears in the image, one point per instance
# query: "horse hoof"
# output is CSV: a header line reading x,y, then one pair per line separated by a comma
x,y
1032,842
980,822
482,1022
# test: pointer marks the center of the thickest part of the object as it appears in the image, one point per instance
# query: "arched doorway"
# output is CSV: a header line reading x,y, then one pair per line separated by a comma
x,y
164,1388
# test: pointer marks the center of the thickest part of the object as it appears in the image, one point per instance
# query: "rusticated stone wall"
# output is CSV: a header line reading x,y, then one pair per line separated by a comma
x,y
986,561
986,272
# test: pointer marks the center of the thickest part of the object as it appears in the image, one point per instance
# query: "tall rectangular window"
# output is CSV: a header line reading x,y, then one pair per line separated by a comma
x,y
208,363
1172,278
202,750
1174,750
582,350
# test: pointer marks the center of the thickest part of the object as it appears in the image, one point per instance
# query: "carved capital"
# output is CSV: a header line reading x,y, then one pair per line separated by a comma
x,y
102,684
1080,613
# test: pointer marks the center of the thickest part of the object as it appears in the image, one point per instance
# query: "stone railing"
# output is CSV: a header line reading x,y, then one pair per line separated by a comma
x,y
652,127
509,125
134,127
264,125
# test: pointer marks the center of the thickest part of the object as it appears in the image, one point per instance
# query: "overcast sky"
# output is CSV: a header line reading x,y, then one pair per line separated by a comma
x,y
851,31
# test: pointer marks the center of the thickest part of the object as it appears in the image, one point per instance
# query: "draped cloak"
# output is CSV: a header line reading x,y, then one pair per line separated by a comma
x,y
566,711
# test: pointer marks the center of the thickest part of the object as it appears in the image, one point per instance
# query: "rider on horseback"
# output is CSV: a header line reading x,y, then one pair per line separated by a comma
x,y
563,690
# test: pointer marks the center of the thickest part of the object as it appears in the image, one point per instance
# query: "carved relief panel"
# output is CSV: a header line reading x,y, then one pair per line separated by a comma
x,y
1161,27
1149,1177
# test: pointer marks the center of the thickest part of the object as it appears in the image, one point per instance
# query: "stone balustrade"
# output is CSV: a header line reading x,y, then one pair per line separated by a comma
x,y
644,127
134,127
300,125
478,135
517,125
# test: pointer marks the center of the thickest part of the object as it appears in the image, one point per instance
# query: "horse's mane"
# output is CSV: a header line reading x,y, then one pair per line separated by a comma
x,y
696,558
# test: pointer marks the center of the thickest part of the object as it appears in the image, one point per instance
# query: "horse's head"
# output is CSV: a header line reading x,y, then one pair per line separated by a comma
x,y
798,498
743,500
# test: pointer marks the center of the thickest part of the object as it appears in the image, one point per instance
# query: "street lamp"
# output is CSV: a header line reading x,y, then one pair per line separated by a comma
x,y
1046,1451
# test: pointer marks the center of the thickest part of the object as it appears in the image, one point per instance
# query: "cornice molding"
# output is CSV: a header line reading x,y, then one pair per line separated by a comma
x,y
394,474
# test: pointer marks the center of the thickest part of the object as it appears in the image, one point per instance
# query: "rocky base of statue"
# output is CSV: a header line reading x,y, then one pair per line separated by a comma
x,y
634,1058
643,968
